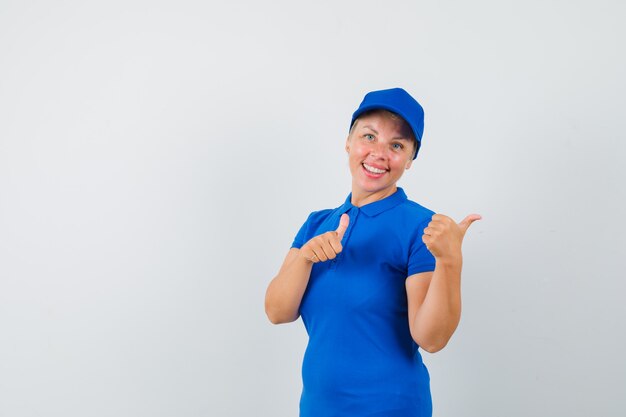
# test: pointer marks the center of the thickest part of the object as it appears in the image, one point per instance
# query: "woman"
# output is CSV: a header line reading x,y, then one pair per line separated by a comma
x,y
375,279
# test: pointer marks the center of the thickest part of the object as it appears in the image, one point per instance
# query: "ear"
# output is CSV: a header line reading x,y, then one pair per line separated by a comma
x,y
408,164
348,144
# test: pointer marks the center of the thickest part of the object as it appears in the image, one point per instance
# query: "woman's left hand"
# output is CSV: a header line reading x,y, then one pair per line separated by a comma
x,y
443,236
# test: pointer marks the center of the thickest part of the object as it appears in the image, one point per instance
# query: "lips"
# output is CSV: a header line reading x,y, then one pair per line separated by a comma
x,y
373,171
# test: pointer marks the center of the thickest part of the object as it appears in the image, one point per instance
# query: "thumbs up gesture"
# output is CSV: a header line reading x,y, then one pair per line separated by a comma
x,y
327,245
443,236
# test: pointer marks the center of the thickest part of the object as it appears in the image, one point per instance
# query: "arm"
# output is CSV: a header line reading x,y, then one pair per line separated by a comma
x,y
284,294
434,298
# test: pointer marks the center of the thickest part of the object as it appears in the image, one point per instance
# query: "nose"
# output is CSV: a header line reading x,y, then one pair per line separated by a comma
x,y
378,150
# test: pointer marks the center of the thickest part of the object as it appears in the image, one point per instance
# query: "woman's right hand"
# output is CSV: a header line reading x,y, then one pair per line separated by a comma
x,y
326,246
284,294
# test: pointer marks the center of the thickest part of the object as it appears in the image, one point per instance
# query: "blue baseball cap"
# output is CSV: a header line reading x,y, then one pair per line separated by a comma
x,y
398,101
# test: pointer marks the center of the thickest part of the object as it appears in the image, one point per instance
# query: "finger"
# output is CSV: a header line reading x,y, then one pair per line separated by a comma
x,y
335,244
329,252
331,255
322,248
468,220
439,217
434,227
320,254
344,221
309,253
432,230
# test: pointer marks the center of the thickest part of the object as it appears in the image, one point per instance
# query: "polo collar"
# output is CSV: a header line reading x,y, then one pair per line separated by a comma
x,y
377,207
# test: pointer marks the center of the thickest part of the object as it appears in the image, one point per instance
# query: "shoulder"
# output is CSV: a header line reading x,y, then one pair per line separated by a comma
x,y
313,223
322,220
319,216
415,212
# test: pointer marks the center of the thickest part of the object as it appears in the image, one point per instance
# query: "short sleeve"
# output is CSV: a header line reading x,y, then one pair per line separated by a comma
x,y
301,237
420,258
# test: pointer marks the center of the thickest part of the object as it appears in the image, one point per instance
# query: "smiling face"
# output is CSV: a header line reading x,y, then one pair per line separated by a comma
x,y
380,148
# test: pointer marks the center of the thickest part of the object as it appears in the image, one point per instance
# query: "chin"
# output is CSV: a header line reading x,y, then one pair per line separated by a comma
x,y
372,188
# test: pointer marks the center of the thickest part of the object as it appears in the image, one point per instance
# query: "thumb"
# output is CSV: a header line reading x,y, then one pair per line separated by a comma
x,y
343,225
468,220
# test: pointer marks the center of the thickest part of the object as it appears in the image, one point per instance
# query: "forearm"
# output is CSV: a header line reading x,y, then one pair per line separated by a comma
x,y
438,317
285,291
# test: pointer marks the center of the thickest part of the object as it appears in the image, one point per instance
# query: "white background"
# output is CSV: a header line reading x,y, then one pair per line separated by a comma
x,y
158,157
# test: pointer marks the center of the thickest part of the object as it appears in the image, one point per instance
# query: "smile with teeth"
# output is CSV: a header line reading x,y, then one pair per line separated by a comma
x,y
374,170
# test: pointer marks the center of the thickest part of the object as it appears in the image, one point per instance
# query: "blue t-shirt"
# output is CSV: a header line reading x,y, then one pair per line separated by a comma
x,y
361,360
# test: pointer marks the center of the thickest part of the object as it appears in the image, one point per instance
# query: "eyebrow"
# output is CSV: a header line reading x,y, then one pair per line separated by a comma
x,y
370,128
396,138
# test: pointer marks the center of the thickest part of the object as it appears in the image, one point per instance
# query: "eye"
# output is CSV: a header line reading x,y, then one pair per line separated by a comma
x,y
368,136
397,146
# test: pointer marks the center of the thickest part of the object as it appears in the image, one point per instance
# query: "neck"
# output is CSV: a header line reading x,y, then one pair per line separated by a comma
x,y
361,198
